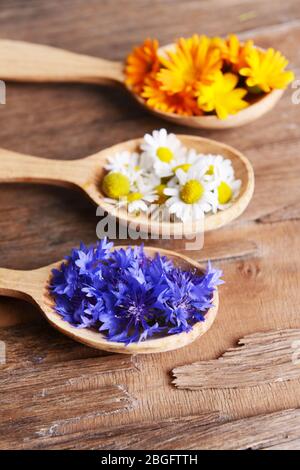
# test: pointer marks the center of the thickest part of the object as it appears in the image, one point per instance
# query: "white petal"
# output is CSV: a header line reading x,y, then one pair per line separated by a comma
x,y
171,191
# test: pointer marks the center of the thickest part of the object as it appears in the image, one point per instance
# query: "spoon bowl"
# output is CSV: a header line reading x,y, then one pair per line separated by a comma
x,y
33,286
87,174
25,62
257,109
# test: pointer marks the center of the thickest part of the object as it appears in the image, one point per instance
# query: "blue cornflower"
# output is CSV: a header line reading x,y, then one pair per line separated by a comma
x,y
65,280
132,308
129,296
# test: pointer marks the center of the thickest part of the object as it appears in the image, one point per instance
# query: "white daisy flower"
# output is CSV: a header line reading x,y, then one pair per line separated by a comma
x,y
137,200
227,188
226,192
168,180
127,163
218,167
146,182
160,151
186,160
116,185
193,196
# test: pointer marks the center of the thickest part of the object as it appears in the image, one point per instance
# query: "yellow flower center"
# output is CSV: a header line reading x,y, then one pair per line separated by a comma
x,y
184,166
164,154
224,193
211,170
137,168
191,192
160,192
116,185
134,197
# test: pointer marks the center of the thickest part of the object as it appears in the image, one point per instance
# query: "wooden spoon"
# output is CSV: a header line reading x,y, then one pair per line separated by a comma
x,y
87,174
33,286
25,62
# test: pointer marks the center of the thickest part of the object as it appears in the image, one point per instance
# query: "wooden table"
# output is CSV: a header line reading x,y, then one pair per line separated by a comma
x,y
58,394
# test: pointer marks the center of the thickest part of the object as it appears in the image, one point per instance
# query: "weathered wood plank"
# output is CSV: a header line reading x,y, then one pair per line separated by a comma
x,y
51,385
257,432
39,224
37,343
38,355
225,250
206,431
172,433
291,212
261,358
76,370
46,412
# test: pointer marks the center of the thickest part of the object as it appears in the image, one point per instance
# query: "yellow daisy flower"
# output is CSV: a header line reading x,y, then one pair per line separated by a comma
x,y
266,70
194,60
221,96
235,53
184,104
142,63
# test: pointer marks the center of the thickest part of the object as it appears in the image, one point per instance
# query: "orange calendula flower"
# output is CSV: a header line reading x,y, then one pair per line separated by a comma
x,y
235,53
142,63
266,70
200,75
221,96
179,103
193,60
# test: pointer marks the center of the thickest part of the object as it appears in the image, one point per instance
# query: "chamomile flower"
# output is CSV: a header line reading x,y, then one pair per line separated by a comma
x,y
186,160
221,171
127,163
116,185
159,190
160,151
218,167
166,178
139,201
226,192
135,201
147,181
193,195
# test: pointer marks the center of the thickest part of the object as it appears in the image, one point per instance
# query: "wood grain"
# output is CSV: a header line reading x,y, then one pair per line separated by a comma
x,y
172,433
50,411
258,253
261,358
47,390
257,432
208,431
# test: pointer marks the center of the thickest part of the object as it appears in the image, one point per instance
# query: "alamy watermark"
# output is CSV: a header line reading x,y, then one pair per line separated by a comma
x,y
2,352
296,94
155,225
296,353
2,92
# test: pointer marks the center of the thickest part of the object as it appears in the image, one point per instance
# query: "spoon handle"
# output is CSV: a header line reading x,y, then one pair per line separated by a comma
x,y
19,168
20,284
25,62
